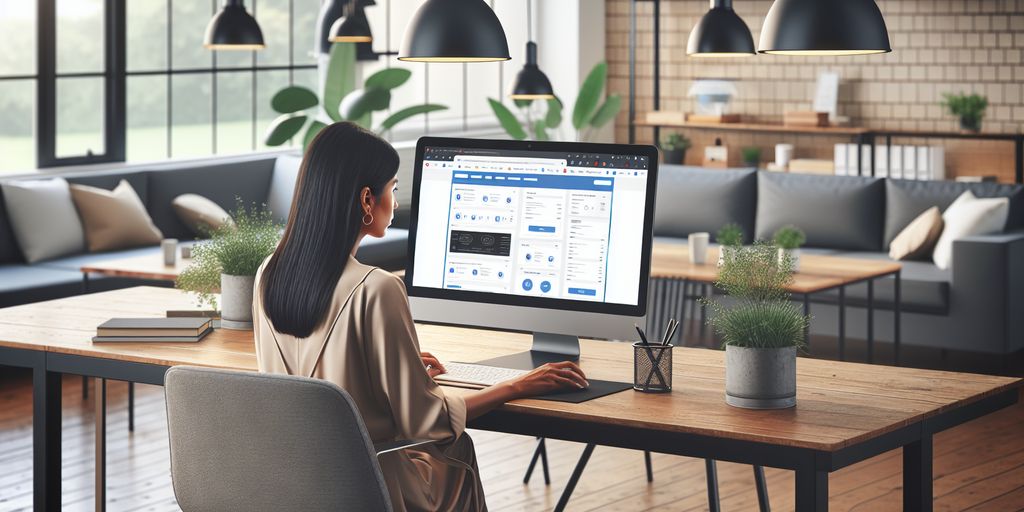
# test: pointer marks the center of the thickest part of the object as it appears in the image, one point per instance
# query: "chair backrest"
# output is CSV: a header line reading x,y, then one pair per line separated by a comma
x,y
253,442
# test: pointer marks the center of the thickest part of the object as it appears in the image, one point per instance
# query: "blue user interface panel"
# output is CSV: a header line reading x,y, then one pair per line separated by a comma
x,y
559,225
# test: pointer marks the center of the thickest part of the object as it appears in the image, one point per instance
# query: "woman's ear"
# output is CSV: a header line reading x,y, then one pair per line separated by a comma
x,y
366,199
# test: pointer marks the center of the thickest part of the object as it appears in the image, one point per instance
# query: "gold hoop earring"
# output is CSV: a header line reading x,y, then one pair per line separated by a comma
x,y
367,222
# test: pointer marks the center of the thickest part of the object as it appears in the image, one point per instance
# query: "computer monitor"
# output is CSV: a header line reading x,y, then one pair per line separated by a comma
x,y
552,238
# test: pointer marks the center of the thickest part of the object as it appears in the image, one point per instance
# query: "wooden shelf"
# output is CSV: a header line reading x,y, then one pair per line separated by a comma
x,y
766,128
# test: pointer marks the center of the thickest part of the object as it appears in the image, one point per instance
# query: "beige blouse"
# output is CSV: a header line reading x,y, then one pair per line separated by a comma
x,y
368,346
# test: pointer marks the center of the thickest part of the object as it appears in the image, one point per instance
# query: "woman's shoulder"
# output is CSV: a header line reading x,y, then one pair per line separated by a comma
x,y
378,280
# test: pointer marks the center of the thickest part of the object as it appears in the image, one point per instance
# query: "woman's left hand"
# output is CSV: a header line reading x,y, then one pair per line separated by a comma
x,y
433,365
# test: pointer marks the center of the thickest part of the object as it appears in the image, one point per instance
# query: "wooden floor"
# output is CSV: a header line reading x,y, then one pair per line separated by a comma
x,y
978,466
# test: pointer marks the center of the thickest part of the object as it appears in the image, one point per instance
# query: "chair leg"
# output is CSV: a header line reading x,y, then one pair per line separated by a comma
x,y
762,489
539,453
650,469
575,478
131,407
85,387
712,477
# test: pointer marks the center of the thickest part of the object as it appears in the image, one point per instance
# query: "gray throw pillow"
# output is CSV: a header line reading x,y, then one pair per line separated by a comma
x,y
44,219
282,186
695,199
835,212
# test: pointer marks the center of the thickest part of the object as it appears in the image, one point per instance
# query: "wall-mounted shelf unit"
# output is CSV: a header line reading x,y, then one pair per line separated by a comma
x,y
861,135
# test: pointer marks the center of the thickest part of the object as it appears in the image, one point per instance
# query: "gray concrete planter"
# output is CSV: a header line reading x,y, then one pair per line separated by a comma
x,y
236,301
760,378
793,253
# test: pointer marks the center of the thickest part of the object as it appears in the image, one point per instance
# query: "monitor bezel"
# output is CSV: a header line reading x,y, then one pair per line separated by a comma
x,y
640,309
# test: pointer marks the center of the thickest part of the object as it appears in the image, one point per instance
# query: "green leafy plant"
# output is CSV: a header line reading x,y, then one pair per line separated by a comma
x,y
751,155
675,142
970,108
789,237
340,100
588,114
730,235
762,315
237,250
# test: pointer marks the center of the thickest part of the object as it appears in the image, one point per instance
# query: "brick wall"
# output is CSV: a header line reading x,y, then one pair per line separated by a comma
x,y
938,46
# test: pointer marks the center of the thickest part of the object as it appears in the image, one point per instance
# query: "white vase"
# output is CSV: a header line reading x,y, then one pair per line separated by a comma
x,y
725,252
236,301
794,254
760,378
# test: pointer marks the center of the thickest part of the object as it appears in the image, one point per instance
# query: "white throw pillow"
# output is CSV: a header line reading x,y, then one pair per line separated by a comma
x,y
44,218
282,186
967,216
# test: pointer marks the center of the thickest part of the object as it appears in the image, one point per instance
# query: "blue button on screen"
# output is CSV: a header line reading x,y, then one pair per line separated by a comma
x,y
527,284
542,229
545,286
583,291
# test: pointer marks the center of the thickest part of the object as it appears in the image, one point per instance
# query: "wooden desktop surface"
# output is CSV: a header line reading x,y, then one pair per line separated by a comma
x,y
147,266
838,404
816,273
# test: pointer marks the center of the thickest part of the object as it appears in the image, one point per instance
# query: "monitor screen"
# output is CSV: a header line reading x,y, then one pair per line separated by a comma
x,y
532,223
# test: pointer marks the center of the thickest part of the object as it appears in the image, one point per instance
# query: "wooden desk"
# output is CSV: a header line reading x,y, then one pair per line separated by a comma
x,y
817,274
148,266
845,412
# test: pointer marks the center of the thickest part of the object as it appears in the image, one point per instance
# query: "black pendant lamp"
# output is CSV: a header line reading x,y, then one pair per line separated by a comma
x,y
353,27
824,27
720,33
330,11
531,83
454,31
232,28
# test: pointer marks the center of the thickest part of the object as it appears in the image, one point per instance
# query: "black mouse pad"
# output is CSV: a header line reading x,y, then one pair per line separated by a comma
x,y
597,389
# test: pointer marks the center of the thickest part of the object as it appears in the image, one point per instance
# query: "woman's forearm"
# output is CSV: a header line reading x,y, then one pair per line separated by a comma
x,y
483,401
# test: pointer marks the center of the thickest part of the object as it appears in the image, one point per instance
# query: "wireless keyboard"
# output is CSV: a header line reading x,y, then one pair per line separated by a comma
x,y
477,375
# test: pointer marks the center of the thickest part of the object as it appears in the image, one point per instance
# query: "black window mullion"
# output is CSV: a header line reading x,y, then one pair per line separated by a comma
x,y
116,115
46,63
170,84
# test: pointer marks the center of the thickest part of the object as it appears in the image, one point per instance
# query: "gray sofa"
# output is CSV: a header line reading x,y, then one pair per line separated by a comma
x,y
266,179
977,305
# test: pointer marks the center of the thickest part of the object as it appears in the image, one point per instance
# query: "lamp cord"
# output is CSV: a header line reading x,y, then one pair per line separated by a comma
x,y
529,20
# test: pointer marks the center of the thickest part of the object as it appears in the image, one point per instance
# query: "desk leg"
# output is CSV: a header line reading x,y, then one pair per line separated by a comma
x,y
807,328
842,323
762,490
711,470
131,406
101,444
46,430
917,475
575,478
811,490
871,320
896,311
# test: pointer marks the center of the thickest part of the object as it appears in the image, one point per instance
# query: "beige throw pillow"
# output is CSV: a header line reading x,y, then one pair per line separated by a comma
x,y
968,216
201,215
917,240
114,219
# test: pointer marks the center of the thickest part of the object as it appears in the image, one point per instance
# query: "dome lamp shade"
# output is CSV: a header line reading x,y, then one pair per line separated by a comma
x,y
454,31
232,28
824,28
353,27
720,33
531,83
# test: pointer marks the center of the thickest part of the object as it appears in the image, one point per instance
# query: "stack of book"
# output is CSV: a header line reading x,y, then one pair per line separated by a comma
x,y
142,330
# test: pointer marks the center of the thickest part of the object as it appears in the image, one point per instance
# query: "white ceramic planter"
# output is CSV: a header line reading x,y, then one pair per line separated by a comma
x,y
760,378
725,253
793,253
236,301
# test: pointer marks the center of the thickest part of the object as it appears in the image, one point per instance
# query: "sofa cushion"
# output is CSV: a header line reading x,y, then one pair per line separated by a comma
x,y
221,182
114,219
969,216
838,212
76,262
924,288
108,180
389,253
43,218
201,215
694,199
282,186
918,239
9,250
906,199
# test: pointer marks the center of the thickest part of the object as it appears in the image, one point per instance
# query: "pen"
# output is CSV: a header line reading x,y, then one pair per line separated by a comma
x,y
671,333
668,329
643,337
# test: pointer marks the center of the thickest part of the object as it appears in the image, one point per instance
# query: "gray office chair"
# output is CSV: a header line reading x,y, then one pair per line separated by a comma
x,y
253,442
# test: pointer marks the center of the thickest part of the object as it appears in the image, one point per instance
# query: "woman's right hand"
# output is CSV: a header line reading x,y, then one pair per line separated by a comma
x,y
550,377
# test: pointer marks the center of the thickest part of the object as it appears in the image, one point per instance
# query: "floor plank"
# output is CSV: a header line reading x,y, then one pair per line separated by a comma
x,y
978,466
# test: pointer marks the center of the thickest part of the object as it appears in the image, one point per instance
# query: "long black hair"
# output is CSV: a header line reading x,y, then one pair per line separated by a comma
x,y
323,226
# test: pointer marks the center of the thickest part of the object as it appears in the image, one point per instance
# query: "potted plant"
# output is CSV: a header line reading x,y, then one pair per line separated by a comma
x,y
751,156
790,239
729,238
761,328
228,262
673,148
588,114
970,108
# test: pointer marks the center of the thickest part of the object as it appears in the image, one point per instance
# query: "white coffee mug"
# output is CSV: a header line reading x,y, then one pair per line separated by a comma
x,y
698,247
169,246
783,154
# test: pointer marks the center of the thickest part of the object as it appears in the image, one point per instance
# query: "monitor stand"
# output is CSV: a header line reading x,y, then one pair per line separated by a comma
x,y
547,348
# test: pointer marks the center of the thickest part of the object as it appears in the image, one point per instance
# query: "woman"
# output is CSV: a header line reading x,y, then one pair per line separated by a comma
x,y
320,313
